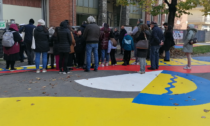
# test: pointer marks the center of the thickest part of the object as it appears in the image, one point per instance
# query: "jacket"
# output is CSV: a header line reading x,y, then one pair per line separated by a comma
x,y
136,32
110,47
191,32
28,29
41,36
73,43
80,46
104,38
55,42
169,41
128,43
156,36
116,35
142,53
16,47
64,38
122,34
92,33
82,28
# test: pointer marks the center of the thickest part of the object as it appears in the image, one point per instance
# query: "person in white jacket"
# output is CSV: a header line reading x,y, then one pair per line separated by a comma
x,y
112,50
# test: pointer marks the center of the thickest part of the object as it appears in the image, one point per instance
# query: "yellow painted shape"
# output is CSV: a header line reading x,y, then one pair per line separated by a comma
x,y
19,68
1,69
183,86
72,111
158,85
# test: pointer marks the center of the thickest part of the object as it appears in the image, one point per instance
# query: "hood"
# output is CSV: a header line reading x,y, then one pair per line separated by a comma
x,y
51,31
128,37
192,27
14,27
105,30
64,24
40,28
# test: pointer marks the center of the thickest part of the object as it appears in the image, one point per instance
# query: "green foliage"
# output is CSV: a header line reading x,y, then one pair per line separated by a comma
x,y
155,8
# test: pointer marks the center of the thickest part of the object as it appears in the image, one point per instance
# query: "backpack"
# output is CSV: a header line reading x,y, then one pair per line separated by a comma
x,y
7,39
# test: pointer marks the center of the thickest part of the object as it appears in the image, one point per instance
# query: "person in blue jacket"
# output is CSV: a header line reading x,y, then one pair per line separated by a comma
x,y
128,46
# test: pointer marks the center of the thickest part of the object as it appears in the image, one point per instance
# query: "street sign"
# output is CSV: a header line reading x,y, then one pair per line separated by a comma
x,y
2,25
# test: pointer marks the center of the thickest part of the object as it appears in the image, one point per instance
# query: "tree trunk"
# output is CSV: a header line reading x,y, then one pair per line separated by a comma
x,y
171,18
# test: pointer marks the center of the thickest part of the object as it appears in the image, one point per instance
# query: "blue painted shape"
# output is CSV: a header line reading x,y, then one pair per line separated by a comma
x,y
202,58
178,47
201,94
171,85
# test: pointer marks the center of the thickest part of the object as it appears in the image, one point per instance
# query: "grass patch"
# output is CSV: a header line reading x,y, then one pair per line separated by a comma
x,y
201,49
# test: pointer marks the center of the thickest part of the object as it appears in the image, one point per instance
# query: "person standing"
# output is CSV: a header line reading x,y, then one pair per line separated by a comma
x,y
55,42
142,53
50,53
28,29
104,45
91,36
112,49
156,40
136,32
168,43
65,40
187,47
128,46
122,35
41,36
11,54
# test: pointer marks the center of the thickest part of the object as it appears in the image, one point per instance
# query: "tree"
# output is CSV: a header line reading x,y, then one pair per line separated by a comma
x,y
175,8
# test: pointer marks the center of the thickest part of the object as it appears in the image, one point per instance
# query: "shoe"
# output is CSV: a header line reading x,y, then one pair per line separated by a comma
x,y
64,73
52,67
95,70
157,68
71,69
150,68
92,66
134,63
167,60
87,70
7,68
44,71
124,64
107,64
37,71
141,72
187,68
102,65
13,69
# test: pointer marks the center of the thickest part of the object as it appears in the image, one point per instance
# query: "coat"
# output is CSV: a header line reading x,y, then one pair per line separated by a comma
x,y
169,41
28,29
64,38
116,35
80,45
128,43
41,36
16,47
142,53
156,36
104,38
73,43
191,32
92,33
55,42
122,34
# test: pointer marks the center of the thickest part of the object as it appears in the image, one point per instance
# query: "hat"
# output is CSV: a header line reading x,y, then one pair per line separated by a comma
x,y
140,20
41,22
153,23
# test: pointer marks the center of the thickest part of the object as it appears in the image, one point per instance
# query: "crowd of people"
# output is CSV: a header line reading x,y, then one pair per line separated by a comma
x,y
90,44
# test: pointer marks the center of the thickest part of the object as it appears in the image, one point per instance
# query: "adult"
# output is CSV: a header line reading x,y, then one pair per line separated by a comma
x,y
28,29
65,40
161,50
41,36
83,26
116,34
104,45
136,32
165,25
91,36
156,40
168,43
55,42
142,53
11,54
50,53
187,47
122,34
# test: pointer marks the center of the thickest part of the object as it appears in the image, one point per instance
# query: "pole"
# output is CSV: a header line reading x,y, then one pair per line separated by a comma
x,y
1,10
120,17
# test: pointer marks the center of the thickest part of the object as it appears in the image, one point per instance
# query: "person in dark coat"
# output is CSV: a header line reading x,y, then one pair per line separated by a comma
x,y
79,48
83,26
116,34
156,40
104,45
11,54
65,40
54,41
50,54
142,53
28,29
168,43
122,34
41,36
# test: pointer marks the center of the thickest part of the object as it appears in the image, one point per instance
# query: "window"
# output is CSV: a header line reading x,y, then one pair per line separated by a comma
x,y
135,9
88,3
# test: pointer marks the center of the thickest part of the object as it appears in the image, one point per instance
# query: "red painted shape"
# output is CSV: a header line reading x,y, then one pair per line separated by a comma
x,y
195,69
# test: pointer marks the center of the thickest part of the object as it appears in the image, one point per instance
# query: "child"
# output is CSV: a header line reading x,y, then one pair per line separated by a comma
x,y
128,46
79,48
112,49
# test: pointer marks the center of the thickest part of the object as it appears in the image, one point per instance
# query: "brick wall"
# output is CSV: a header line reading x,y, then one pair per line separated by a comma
x,y
60,11
29,3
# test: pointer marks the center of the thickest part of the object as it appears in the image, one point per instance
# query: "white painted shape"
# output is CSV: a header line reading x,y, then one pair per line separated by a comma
x,y
127,82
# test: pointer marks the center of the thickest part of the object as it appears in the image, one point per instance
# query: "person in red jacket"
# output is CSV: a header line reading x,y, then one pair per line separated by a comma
x,y
105,33
11,54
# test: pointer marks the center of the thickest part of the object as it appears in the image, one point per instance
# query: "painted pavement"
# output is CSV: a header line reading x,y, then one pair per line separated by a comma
x,y
169,96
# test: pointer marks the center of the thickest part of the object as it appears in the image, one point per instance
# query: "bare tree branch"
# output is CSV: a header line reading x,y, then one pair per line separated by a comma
x,y
166,1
